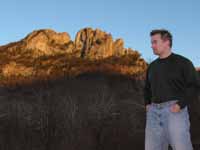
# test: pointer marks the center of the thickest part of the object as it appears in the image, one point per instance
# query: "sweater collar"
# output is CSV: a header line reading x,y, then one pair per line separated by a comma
x,y
166,58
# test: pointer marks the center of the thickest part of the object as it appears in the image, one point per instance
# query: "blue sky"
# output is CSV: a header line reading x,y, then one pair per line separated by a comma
x,y
131,20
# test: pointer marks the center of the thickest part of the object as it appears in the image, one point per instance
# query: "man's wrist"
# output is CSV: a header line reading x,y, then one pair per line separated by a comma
x,y
181,104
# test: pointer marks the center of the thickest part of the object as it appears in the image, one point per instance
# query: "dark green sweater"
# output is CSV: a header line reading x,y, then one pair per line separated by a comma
x,y
171,78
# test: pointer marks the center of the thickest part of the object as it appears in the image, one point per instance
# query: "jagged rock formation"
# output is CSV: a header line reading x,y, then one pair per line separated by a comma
x,y
96,44
45,53
89,43
42,42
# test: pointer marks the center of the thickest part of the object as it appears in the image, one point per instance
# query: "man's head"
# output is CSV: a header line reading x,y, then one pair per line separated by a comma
x,y
161,41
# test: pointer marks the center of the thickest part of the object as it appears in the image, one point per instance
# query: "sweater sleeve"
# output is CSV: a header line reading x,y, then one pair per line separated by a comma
x,y
192,82
147,89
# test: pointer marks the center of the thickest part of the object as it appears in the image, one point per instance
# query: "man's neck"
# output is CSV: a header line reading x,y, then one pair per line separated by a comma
x,y
166,54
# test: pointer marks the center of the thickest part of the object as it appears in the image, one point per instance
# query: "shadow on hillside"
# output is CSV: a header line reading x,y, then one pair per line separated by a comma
x,y
90,112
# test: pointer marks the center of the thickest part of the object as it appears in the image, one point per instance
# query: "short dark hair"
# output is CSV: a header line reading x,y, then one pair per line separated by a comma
x,y
165,34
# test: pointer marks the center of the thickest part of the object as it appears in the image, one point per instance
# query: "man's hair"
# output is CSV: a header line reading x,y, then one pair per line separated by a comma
x,y
165,34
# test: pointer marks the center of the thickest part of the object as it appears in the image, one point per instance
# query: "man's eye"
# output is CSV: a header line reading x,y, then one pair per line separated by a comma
x,y
154,42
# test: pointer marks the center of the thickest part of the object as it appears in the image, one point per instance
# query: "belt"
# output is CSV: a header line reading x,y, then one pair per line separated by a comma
x,y
164,104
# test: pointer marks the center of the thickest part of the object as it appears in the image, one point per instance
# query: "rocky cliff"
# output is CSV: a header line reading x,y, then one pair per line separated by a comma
x,y
46,53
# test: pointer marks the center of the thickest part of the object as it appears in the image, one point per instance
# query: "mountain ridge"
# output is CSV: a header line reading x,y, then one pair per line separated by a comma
x,y
46,53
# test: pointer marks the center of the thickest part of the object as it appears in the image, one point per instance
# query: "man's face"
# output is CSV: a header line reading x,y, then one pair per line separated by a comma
x,y
159,45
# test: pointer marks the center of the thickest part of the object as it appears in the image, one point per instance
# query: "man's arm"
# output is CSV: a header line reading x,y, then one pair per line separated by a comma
x,y
192,82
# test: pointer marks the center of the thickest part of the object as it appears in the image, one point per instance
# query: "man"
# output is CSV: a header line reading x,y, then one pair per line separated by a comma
x,y
171,80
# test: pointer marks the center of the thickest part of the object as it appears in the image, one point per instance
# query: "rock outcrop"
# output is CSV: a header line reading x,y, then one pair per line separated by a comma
x,y
89,43
96,44
48,53
43,42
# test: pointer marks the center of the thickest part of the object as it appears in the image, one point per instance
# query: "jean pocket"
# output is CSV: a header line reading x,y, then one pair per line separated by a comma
x,y
149,108
181,118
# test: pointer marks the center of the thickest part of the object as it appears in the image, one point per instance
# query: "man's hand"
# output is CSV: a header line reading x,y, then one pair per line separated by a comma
x,y
175,108
147,107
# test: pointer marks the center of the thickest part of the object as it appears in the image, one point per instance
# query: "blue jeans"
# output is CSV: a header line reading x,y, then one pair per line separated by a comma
x,y
164,128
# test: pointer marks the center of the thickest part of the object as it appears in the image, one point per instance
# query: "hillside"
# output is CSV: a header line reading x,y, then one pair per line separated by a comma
x,y
45,54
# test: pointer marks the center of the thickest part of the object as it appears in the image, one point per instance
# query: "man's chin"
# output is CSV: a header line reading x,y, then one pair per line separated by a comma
x,y
155,53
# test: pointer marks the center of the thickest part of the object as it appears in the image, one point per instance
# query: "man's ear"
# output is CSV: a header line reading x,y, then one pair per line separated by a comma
x,y
166,41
